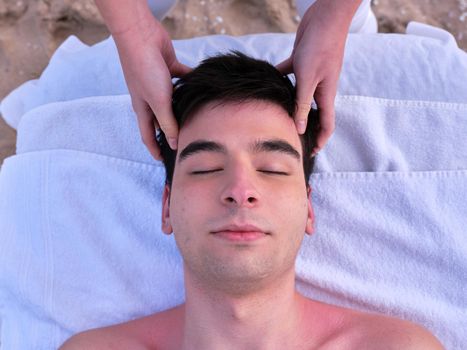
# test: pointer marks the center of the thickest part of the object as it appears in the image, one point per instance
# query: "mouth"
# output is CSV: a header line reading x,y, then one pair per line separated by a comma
x,y
240,233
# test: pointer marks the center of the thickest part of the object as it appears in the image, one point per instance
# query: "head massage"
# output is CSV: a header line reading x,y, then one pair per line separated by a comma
x,y
81,201
235,78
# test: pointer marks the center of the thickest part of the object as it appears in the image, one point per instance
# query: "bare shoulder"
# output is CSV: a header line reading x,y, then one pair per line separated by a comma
x,y
98,339
157,331
112,337
393,333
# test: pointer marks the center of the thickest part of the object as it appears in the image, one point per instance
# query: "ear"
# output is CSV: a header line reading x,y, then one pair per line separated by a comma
x,y
165,218
311,214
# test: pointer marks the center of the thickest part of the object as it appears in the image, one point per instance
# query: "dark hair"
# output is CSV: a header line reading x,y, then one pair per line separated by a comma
x,y
235,77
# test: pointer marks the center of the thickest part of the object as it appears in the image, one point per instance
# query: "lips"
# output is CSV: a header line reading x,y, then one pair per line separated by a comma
x,y
245,232
239,228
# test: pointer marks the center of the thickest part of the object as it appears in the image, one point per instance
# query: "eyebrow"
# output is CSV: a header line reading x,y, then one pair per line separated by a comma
x,y
259,146
275,145
201,146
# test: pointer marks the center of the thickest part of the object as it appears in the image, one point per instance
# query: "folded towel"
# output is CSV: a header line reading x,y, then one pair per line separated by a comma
x,y
80,203
392,242
372,134
393,66
80,222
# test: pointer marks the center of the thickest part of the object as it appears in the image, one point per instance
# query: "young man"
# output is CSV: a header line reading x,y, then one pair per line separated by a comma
x,y
237,200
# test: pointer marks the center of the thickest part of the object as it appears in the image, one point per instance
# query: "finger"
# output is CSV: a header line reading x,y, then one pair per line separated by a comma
x,y
286,66
179,69
305,92
164,116
157,128
327,123
145,119
301,116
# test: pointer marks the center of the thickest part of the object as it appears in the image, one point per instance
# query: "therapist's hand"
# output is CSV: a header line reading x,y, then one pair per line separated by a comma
x,y
316,61
149,64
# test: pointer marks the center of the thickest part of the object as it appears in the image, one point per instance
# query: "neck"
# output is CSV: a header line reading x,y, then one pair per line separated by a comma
x,y
269,318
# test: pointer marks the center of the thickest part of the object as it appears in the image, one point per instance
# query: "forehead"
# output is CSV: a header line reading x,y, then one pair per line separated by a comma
x,y
237,124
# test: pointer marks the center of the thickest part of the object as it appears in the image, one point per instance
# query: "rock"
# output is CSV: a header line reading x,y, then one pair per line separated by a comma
x,y
238,17
65,14
12,9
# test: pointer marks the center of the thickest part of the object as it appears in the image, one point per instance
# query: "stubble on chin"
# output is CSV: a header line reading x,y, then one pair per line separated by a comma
x,y
236,276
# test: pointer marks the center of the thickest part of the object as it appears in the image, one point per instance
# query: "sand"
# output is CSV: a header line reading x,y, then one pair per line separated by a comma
x,y
31,30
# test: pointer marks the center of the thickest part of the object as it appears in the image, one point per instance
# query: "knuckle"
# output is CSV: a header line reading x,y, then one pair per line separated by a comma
x,y
329,129
167,128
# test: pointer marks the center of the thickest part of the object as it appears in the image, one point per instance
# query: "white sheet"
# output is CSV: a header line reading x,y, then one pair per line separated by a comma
x,y
80,213
75,213
394,66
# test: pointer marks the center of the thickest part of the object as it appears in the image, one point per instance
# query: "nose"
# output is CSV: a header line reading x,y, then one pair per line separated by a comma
x,y
240,190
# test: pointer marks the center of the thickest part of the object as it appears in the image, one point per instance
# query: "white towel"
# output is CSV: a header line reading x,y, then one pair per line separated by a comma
x,y
395,66
82,246
80,214
392,242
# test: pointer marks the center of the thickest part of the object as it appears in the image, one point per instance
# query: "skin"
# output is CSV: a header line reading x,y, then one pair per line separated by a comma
x,y
316,61
241,294
149,62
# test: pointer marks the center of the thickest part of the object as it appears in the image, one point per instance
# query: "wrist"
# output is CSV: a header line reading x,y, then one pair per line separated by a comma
x,y
123,16
329,20
339,12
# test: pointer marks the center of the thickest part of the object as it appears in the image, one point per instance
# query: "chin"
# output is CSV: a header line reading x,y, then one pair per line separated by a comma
x,y
237,274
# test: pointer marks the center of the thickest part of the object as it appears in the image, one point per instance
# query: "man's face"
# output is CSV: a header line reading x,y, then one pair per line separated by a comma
x,y
239,205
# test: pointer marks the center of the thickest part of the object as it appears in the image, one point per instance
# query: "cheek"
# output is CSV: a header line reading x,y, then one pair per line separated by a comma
x,y
188,207
290,213
290,202
180,206
182,223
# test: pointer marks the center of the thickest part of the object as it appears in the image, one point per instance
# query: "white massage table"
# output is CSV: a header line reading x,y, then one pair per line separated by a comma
x,y
80,239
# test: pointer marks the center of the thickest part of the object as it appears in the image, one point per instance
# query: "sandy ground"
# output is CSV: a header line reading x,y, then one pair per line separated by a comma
x,y
31,30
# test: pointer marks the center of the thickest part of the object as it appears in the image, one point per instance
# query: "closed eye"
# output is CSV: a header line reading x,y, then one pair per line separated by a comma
x,y
274,172
200,172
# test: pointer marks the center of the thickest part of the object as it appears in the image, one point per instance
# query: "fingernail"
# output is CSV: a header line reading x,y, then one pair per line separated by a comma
x,y
301,126
172,142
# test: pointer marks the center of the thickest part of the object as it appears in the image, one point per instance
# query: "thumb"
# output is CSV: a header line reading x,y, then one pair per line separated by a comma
x,y
325,102
162,109
286,66
305,91
146,126
178,69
